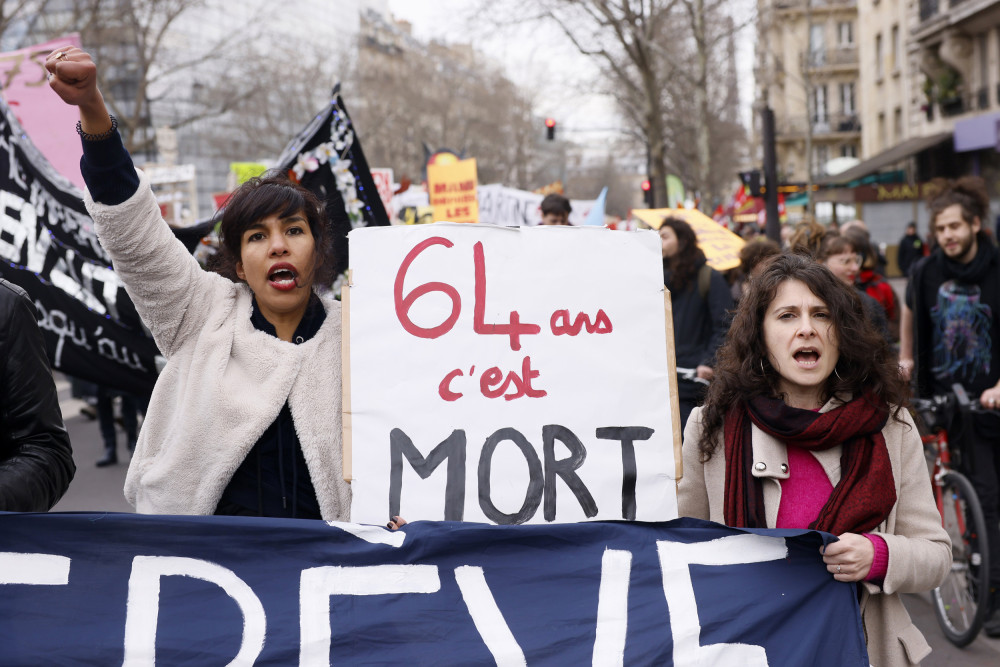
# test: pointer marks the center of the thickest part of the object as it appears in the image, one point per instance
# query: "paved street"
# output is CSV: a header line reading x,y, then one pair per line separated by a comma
x,y
93,489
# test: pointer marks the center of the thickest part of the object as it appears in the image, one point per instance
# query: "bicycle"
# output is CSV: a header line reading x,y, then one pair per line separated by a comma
x,y
960,602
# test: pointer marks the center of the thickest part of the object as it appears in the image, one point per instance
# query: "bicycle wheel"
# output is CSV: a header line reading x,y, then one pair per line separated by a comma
x,y
960,601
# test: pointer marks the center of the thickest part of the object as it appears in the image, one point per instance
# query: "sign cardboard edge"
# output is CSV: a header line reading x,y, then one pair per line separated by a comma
x,y
675,407
345,364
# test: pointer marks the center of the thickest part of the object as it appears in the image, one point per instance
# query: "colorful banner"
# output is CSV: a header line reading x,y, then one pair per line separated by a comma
x,y
50,123
112,589
675,192
384,183
721,246
452,191
49,248
488,373
244,171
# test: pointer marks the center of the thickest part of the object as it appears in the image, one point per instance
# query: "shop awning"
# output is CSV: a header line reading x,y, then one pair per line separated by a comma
x,y
886,158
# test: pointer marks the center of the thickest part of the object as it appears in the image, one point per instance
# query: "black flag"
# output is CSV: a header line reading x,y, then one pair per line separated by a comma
x,y
326,158
49,248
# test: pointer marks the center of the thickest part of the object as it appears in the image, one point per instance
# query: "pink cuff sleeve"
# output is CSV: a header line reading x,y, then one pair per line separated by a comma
x,y
880,564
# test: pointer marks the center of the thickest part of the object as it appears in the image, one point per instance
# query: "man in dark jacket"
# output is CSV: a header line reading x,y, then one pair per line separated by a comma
x,y
36,462
949,335
911,248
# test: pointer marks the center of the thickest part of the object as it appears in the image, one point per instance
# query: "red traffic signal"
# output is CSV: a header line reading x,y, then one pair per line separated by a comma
x,y
647,193
550,128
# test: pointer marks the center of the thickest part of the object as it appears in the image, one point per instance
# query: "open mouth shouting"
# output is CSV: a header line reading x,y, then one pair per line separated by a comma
x,y
807,357
283,276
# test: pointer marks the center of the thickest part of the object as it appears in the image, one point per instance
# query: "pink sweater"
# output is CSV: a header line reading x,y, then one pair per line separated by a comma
x,y
803,495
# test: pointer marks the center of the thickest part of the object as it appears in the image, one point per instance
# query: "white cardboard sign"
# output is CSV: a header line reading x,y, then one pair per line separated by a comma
x,y
509,375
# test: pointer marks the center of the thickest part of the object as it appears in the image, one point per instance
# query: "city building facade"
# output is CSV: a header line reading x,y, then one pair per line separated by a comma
x,y
808,70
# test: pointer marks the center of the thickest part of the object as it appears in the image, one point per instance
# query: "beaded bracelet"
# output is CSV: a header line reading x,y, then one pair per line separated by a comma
x,y
98,137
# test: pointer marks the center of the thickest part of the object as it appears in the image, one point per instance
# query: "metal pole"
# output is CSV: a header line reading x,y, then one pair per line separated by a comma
x,y
772,227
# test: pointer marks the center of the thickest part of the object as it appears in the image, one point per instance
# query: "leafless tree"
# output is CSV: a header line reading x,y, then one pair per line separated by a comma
x,y
405,96
141,58
658,58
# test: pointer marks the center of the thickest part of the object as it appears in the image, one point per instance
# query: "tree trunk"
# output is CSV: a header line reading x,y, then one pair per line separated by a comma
x,y
702,130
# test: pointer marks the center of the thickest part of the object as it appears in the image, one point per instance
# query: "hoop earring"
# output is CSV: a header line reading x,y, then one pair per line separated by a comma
x,y
762,371
837,374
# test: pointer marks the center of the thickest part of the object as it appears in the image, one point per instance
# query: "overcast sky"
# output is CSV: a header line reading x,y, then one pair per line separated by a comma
x,y
537,58
541,61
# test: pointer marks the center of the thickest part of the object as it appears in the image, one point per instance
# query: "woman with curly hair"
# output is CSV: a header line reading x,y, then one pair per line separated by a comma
x,y
799,430
701,300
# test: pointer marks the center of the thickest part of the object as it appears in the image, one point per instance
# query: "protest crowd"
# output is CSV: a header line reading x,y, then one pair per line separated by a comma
x,y
793,372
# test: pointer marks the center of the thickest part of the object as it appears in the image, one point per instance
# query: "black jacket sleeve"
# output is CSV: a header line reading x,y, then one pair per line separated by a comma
x,y
36,461
108,170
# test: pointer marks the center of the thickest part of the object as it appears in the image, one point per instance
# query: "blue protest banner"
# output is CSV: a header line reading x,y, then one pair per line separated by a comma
x,y
141,590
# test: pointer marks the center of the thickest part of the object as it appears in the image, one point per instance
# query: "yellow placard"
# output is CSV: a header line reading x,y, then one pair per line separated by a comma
x,y
246,170
452,191
721,246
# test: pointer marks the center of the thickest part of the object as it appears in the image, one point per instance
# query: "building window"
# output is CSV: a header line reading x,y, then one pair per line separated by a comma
x,y
845,33
817,45
897,124
821,156
894,57
849,150
983,92
882,142
847,99
821,116
879,64
928,9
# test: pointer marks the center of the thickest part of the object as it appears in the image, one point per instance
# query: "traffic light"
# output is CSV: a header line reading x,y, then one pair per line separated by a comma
x,y
647,193
751,179
550,128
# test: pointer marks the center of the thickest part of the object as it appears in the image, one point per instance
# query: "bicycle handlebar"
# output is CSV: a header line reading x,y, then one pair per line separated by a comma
x,y
690,374
956,398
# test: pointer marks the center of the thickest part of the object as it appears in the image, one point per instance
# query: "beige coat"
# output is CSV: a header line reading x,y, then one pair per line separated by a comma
x,y
224,382
919,548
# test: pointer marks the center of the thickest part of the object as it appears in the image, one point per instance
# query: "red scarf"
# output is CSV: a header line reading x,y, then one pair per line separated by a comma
x,y
866,492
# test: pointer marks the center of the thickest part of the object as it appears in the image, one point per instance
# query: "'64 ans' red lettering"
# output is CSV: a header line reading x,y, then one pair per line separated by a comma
x,y
561,323
492,383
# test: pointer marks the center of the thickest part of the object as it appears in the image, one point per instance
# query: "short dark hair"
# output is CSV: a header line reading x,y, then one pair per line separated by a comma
x,y
744,371
256,199
555,203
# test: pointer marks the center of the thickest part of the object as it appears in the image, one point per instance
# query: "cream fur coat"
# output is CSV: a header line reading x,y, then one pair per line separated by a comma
x,y
919,548
224,382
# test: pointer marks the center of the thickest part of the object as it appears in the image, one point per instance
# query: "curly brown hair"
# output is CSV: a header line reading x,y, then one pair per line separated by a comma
x,y
969,192
689,256
258,198
743,370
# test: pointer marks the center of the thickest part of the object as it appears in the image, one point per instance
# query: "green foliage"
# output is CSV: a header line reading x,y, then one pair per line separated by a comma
x,y
944,86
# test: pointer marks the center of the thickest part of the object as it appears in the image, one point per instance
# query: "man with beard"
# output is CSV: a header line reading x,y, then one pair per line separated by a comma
x,y
950,318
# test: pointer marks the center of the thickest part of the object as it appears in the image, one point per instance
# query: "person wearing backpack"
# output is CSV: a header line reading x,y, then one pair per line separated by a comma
x,y
701,301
